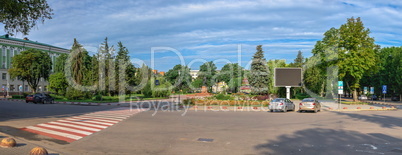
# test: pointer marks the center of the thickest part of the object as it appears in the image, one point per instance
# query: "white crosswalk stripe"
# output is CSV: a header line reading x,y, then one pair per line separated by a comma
x,y
76,127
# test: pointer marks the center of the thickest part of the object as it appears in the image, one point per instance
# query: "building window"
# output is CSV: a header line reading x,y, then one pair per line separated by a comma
x,y
4,76
26,88
12,89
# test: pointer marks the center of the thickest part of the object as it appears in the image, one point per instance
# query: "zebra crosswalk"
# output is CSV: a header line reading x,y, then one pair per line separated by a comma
x,y
74,128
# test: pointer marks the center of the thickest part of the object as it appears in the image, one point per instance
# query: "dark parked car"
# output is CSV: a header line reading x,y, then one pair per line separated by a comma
x,y
395,98
29,98
373,97
42,98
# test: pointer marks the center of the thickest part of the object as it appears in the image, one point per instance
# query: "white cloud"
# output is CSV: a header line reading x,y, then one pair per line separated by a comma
x,y
212,29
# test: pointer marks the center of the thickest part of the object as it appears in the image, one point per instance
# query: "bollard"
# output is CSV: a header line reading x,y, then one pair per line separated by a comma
x,y
38,151
8,142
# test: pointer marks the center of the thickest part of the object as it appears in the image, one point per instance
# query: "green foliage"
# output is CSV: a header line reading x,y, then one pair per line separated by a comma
x,y
97,98
31,65
60,63
301,96
229,72
234,84
181,82
162,90
197,83
207,73
259,75
223,97
58,83
17,96
73,94
272,64
22,15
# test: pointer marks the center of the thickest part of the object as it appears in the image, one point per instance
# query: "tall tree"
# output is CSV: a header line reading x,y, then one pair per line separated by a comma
x,y
207,73
272,64
182,81
230,71
22,15
60,63
357,53
259,73
122,61
31,65
106,68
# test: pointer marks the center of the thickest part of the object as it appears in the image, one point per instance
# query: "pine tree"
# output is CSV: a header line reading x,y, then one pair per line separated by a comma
x,y
259,75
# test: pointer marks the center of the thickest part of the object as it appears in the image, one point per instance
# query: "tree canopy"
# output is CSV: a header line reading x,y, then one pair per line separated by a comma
x,y
22,15
31,65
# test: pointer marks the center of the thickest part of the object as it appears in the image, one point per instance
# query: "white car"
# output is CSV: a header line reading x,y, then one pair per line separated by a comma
x,y
281,104
362,97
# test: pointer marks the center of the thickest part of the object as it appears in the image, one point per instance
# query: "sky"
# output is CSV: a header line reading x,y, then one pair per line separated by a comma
x,y
164,33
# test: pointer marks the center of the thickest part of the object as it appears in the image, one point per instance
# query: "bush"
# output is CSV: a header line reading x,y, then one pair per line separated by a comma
x,y
73,94
222,97
18,96
97,98
189,101
301,96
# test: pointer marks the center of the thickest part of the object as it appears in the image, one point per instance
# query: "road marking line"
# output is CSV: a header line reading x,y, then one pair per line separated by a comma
x,y
86,124
66,129
98,120
55,132
76,126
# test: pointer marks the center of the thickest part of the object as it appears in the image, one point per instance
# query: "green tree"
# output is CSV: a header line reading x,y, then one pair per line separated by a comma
x,y
272,64
60,63
106,68
259,73
31,65
181,82
22,15
122,58
234,84
58,83
207,73
357,53
230,71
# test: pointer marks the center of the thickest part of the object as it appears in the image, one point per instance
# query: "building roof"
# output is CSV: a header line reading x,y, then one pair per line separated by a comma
x,y
7,37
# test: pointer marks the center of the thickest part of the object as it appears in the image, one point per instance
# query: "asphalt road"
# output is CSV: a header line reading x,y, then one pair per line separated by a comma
x,y
169,132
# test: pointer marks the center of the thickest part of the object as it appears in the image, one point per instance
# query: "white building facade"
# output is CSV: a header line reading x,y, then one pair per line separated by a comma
x,y
9,47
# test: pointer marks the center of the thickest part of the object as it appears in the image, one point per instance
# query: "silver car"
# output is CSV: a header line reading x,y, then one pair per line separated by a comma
x,y
310,104
281,104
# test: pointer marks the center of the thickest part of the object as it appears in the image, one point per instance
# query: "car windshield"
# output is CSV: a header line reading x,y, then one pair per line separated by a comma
x,y
277,100
308,100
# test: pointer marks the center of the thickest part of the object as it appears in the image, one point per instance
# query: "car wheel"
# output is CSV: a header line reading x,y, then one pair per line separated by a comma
x,y
26,101
285,109
43,101
315,110
271,110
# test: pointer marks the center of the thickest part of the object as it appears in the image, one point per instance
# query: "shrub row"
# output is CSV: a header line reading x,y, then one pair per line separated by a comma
x,y
230,102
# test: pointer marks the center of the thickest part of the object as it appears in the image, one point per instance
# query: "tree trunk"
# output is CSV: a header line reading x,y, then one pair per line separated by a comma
x,y
355,95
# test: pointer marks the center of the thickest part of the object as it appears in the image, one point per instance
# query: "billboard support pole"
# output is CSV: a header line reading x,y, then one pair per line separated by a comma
x,y
288,92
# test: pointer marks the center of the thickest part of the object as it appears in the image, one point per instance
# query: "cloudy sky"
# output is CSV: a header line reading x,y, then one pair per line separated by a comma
x,y
163,33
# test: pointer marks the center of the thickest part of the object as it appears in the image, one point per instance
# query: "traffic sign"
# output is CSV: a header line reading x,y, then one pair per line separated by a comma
x,y
20,87
157,82
371,90
384,89
365,90
340,87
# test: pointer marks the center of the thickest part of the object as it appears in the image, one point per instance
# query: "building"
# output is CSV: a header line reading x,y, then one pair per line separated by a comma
x,y
194,74
10,47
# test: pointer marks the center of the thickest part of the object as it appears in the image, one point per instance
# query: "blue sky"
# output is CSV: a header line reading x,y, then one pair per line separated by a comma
x,y
221,31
